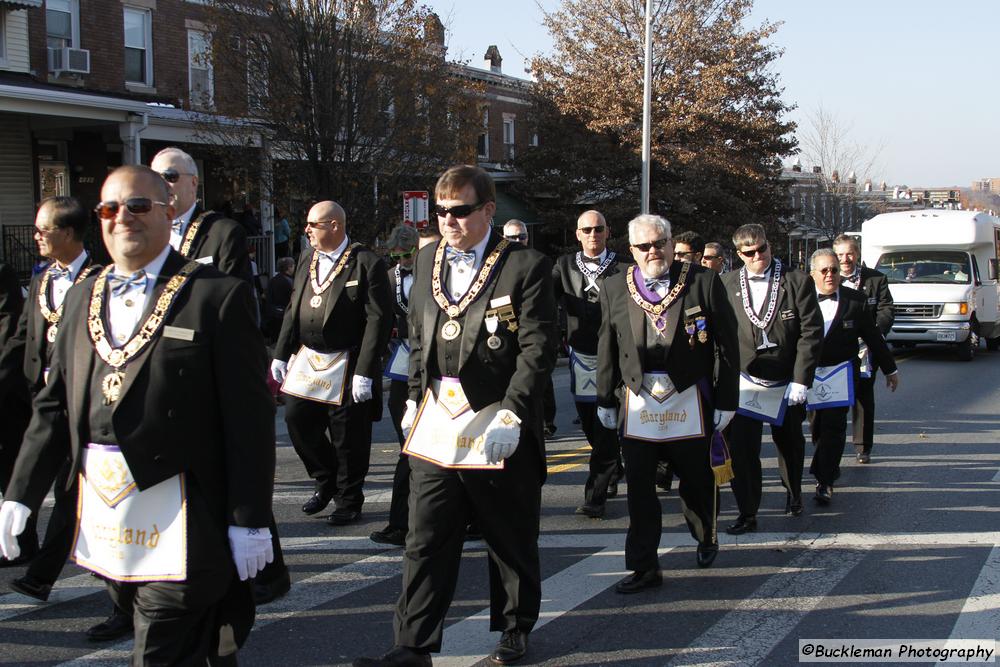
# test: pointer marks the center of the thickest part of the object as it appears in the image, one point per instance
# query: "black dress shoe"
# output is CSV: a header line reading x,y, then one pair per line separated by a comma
x,y
613,489
638,581
793,506
593,511
864,457
549,430
824,494
23,558
117,625
342,516
399,656
33,589
707,553
512,646
316,504
269,591
744,524
389,535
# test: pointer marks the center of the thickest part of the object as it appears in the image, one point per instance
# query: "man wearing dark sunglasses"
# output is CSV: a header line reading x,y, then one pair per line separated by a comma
x,y
780,332
663,325
578,278
713,257
165,387
688,247
515,231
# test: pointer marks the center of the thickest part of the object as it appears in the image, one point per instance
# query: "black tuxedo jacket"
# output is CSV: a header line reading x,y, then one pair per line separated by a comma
x,y
876,288
12,304
515,374
198,406
623,335
358,316
225,241
583,318
853,320
796,328
400,320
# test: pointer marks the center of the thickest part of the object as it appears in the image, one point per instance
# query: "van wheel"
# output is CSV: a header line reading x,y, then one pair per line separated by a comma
x,y
967,350
993,344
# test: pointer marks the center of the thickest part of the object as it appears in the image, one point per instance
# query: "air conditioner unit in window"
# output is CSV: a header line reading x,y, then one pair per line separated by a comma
x,y
65,59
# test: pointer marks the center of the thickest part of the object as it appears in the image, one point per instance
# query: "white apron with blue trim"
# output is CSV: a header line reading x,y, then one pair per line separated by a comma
x,y
398,367
447,431
126,534
762,400
660,414
317,376
833,387
583,376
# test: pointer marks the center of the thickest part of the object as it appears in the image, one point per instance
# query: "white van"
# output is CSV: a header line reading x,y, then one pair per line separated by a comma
x,y
942,270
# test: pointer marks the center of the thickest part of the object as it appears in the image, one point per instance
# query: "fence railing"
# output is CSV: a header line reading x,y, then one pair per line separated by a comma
x,y
19,250
264,250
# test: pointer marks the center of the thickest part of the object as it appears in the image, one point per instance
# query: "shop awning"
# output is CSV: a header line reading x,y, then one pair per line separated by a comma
x,y
20,4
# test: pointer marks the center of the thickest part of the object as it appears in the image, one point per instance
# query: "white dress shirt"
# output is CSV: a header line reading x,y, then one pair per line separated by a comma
x,y
328,260
407,285
854,281
125,310
662,288
460,278
59,286
185,220
758,288
829,309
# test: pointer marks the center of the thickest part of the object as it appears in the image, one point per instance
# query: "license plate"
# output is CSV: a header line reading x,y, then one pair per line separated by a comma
x,y
948,336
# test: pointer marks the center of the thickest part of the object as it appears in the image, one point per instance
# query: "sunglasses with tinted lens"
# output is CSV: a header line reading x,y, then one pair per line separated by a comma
x,y
516,237
754,251
171,175
829,269
401,255
689,253
460,211
107,210
710,257
597,229
645,247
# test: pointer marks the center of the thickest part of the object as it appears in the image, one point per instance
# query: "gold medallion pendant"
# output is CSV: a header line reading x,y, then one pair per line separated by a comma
x,y
50,335
316,301
111,386
451,330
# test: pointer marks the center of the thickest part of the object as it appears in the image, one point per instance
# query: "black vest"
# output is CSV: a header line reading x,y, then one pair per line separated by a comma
x,y
311,319
102,429
655,350
445,362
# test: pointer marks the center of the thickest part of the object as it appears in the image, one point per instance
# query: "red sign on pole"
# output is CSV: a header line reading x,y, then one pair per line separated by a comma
x,y
416,208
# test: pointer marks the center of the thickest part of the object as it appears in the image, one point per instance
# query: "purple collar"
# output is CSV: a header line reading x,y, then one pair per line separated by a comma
x,y
640,286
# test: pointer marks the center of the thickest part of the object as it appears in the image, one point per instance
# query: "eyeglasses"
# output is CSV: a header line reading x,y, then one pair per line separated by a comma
x,y
709,258
171,175
597,229
645,247
401,255
317,224
107,210
47,232
516,237
759,250
829,269
460,211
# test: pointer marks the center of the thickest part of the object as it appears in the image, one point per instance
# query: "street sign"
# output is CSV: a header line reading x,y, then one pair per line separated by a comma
x,y
415,208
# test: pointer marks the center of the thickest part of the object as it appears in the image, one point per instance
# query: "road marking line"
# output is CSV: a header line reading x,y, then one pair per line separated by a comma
x,y
66,590
996,477
980,616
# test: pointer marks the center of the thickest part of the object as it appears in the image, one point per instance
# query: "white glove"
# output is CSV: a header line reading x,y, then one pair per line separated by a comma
x,y
13,519
408,417
722,418
279,369
251,549
501,436
361,389
796,393
608,417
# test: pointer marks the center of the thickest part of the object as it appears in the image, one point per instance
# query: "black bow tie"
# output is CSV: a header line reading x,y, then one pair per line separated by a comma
x,y
758,278
403,272
852,278
824,297
591,260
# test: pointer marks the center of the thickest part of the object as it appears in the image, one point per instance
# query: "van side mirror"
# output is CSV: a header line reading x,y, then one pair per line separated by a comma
x,y
993,269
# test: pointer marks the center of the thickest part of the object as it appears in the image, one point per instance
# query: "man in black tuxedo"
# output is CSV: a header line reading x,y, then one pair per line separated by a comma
x,y
846,319
482,342
780,332
60,225
663,324
875,287
577,278
402,244
166,391
279,293
341,305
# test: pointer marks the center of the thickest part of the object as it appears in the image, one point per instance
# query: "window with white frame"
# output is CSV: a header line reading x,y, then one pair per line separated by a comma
x,y
138,46
258,83
508,135
3,38
534,138
62,23
201,77
483,143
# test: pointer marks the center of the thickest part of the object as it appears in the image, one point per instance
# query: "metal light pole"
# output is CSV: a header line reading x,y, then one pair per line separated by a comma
x,y
647,103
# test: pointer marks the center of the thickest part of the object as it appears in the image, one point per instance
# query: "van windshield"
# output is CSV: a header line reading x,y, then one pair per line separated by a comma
x,y
925,266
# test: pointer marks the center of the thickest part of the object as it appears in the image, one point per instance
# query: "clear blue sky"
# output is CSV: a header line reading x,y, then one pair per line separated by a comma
x,y
917,75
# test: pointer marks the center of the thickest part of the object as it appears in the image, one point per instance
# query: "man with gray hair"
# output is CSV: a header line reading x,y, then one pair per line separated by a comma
x,y
515,231
663,323
714,256
780,334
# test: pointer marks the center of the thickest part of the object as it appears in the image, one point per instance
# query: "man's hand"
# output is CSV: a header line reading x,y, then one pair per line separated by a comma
x,y
251,549
13,519
892,380
722,418
796,393
608,417
361,389
279,369
501,436
406,423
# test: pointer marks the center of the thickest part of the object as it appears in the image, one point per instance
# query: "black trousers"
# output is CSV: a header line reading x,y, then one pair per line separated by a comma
x,y
549,402
605,455
334,443
829,434
699,496
399,507
14,417
52,555
508,503
744,435
864,412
